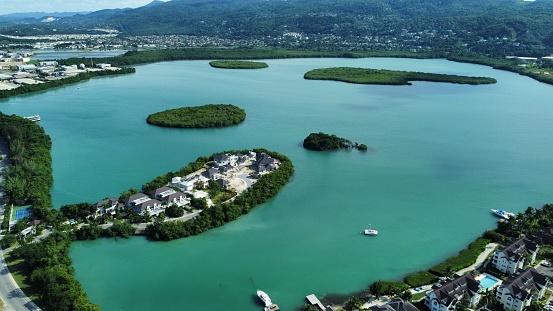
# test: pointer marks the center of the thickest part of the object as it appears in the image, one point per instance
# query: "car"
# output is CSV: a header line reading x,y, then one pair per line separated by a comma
x,y
546,264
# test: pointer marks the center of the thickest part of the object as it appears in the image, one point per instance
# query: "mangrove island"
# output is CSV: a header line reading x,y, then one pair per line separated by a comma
x,y
321,142
237,64
389,77
212,115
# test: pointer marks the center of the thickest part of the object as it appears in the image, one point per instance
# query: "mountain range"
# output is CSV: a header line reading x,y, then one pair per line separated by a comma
x,y
513,20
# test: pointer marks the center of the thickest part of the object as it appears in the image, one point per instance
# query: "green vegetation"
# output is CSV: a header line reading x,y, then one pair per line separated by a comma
x,y
380,288
388,77
465,258
51,274
152,56
237,64
541,70
31,88
93,231
51,280
266,187
514,28
29,178
420,278
199,117
174,211
321,142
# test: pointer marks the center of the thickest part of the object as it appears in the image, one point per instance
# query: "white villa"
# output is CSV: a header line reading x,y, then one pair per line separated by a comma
x,y
520,288
445,297
511,258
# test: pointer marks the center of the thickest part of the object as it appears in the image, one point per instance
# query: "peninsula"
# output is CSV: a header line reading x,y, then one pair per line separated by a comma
x,y
237,64
212,115
389,77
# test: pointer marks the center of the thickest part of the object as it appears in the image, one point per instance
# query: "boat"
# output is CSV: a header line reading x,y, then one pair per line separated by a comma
x,y
33,118
371,231
264,297
503,214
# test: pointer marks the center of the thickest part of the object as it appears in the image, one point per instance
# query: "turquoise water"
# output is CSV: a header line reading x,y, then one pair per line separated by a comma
x,y
488,282
440,157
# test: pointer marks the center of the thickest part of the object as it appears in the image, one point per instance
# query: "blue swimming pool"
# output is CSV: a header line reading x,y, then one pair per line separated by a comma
x,y
488,282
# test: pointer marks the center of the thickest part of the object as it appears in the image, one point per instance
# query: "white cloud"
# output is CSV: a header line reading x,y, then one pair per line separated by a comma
x,y
21,6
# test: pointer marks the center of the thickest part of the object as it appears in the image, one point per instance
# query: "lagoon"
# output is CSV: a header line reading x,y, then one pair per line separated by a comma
x,y
440,157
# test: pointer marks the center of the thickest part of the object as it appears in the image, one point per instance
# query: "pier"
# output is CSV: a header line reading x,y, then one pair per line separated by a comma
x,y
314,301
33,118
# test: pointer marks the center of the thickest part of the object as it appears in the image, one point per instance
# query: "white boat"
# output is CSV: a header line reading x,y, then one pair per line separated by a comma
x,y
33,118
264,297
503,214
371,231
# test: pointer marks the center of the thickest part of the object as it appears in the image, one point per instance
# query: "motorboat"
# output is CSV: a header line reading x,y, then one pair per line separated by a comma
x,y
503,214
371,231
264,297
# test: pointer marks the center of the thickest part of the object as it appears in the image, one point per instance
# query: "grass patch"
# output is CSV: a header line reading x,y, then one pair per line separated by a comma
x,y
222,196
21,277
420,278
418,296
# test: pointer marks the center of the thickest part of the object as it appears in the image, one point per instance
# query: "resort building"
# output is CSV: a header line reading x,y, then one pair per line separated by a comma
x,y
520,288
511,258
396,304
110,205
445,297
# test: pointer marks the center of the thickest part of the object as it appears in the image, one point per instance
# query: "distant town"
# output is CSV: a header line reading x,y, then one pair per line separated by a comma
x,y
15,70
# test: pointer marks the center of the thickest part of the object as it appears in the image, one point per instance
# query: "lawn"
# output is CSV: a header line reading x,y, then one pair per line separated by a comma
x,y
20,276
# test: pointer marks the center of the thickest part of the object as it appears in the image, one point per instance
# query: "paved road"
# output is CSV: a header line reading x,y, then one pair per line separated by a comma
x,y
13,297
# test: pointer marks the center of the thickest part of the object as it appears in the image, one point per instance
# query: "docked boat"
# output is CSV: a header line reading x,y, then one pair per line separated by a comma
x,y
503,214
371,231
264,297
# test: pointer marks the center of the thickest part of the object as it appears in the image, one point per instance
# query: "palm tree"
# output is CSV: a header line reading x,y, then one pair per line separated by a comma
x,y
488,297
354,303
534,305
376,288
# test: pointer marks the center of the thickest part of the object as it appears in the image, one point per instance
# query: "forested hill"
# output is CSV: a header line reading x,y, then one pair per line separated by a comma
x,y
453,22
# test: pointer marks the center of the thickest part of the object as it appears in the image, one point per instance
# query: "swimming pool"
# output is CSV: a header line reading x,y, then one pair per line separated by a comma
x,y
488,282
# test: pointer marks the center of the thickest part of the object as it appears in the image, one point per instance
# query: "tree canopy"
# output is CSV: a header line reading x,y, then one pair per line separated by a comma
x,y
212,115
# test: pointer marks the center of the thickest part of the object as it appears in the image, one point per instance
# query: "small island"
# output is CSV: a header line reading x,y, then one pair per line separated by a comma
x,y
237,64
389,77
321,142
212,115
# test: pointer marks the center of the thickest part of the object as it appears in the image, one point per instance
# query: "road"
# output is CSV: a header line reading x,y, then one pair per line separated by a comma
x,y
14,298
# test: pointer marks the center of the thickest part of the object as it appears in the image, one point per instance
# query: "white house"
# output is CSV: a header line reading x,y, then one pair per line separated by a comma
x,y
520,288
445,297
109,205
188,184
511,258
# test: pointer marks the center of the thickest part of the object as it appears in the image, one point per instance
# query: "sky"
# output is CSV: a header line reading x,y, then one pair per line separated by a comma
x,y
50,6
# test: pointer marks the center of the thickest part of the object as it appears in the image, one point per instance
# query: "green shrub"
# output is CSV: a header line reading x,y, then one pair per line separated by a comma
x,y
465,258
420,278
